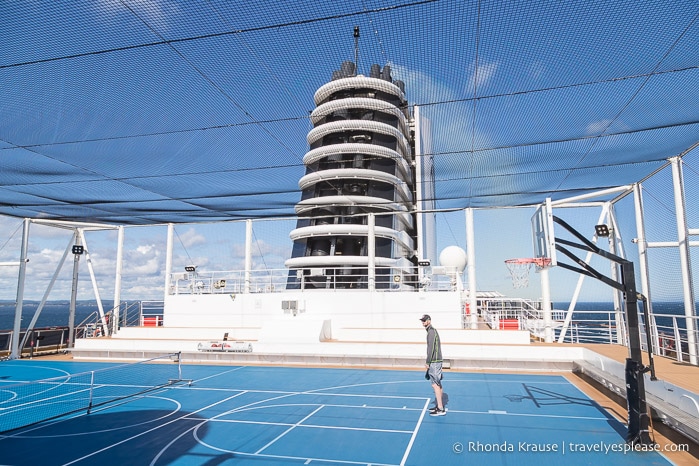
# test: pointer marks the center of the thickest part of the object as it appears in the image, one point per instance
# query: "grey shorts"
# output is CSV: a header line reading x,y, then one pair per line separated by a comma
x,y
435,373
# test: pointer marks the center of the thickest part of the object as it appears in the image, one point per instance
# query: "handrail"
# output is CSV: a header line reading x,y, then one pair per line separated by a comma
x,y
334,278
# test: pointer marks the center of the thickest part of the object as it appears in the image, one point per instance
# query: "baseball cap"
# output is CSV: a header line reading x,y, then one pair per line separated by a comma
x,y
425,317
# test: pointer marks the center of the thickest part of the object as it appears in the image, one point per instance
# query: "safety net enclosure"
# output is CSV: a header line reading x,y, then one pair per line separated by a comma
x,y
146,112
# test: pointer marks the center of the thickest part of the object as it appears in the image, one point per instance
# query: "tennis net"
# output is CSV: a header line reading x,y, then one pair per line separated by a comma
x,y
28,403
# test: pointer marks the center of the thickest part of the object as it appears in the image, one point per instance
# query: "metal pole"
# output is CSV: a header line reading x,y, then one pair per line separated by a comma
x,y
642,245
37,313
117,281
16,351
638,420
248,254
471,267
371,251
546,305
93,280
168,258
617,295
685,264
578,286
73,293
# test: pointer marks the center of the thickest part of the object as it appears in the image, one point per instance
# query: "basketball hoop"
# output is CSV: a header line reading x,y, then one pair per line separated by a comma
x,y
519,269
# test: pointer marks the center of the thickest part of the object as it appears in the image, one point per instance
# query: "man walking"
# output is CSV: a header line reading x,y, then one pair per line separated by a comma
x,y
433,363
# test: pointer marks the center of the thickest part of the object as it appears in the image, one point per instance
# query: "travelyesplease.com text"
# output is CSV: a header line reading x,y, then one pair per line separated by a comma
x,y
563,447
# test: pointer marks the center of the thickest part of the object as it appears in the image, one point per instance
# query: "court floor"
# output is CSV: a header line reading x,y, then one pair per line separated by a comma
x,y
250,415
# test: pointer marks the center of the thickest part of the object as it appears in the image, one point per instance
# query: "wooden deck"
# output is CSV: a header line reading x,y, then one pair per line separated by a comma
x,y
683,375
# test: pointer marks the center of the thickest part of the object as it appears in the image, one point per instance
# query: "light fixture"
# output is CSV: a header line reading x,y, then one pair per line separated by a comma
x,y
78,249
190,268
602,230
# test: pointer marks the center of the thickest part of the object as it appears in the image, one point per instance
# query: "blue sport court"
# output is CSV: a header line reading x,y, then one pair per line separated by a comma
x,y
251,415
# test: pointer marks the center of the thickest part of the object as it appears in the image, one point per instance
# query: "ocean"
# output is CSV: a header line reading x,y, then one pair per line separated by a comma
x,y
54,313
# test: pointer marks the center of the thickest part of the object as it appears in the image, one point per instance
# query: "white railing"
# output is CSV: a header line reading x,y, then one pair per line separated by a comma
x,y
510,313
669,336
279,280
591,326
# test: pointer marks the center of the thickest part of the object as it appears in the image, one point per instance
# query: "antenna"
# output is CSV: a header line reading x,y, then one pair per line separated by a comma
x,y
356,50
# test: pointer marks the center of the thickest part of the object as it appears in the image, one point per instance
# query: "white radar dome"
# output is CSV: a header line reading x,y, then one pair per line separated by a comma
x,y
453,256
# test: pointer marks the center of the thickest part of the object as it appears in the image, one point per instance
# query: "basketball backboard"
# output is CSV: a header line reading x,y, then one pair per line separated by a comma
x,y
543,233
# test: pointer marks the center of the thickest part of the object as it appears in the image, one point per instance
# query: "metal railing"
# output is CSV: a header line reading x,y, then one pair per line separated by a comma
x,y
590,326
41,340
280,280
510,313
669,336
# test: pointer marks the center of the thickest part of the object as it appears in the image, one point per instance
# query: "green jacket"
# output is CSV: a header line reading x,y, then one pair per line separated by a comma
x,y
434,346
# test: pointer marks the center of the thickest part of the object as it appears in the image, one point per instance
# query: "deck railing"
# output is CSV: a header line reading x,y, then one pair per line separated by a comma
x,y
280,280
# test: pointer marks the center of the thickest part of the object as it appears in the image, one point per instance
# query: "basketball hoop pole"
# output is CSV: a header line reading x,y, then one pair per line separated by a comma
x,y
519,270
546,304
638,419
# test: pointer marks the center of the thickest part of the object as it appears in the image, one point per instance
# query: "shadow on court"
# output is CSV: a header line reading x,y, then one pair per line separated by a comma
x,y
98,439
540,397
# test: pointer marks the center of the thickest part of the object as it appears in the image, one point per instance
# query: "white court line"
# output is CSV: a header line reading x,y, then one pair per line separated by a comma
x,y
552,416
289,429
359,429
218,374
412,438
311,426
315,426
252,406
385,408
307,392
447,380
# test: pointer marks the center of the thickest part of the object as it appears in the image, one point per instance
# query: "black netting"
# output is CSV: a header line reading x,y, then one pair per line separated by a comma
x,y
150,112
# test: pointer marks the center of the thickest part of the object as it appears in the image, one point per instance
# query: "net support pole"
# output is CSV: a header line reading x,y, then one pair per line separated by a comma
x,y
248,255
117,281
546,304
73,293
371,251
641,242
685,264
92,388
471,267
168,259
93,280
16,351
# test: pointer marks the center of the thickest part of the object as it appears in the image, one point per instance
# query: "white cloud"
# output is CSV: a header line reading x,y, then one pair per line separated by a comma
x,y
421,87
451,124
536,69
156,13
607,126
191,238
482,75
597,127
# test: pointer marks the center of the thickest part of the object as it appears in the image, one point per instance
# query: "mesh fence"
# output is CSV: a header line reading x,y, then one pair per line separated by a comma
x,y
29,403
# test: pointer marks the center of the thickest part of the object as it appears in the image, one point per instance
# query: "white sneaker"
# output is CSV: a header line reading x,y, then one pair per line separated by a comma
x,y
438,412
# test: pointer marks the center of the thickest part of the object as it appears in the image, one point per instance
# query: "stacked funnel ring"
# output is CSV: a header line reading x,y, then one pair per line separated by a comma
x,y
360,161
